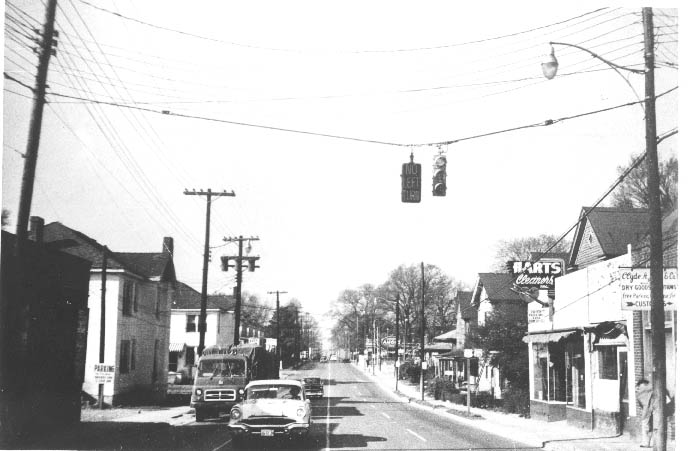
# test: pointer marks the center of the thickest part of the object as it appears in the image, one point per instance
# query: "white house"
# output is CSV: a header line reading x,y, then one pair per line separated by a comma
x,y
185,326
139,287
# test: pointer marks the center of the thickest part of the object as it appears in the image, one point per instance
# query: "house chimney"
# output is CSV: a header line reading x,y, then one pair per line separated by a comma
x,y
36,229
168,245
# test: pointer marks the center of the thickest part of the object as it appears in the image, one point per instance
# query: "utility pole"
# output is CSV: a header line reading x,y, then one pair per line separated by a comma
x,y
31,155
421,351
102,330
279,349
397,340
239,276
202,324
656,241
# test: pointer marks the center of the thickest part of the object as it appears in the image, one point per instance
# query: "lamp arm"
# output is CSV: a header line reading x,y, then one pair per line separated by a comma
x,y
595,55
614,66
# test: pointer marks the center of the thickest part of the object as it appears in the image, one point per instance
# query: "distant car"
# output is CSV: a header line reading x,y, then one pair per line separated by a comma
x,y
272,407
313,387
346,361
324,359
333,358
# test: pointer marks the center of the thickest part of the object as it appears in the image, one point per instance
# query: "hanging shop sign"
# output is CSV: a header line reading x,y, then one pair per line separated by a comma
x,y
635,288
540,274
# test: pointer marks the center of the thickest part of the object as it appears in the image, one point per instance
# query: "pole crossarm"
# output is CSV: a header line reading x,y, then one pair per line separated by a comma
x,y
595,55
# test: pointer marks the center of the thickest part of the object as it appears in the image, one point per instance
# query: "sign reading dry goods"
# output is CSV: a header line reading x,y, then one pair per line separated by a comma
x,y
536,274
635,288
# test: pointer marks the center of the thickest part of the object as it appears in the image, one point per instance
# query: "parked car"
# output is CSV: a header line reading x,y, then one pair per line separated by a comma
x,y
272,407
324,359
333,358
313,387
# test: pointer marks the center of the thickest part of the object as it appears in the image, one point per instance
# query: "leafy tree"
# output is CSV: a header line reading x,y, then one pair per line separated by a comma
x,y
290,331
254,312
521,248
633,191
501,339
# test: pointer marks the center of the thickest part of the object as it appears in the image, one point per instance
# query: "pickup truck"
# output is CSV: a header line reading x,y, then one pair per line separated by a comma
x,y
313,387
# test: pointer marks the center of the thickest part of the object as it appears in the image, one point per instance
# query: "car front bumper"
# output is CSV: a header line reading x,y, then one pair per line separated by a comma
x,y
270,430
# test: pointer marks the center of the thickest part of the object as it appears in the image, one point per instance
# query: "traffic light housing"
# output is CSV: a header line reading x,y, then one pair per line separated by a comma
x,y
225,263
439,179
251,263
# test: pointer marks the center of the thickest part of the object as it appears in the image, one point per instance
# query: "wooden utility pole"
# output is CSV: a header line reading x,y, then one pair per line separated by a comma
x,y
202,323
239,277
397,340
421,377
279,349
31,155
656,241
102,330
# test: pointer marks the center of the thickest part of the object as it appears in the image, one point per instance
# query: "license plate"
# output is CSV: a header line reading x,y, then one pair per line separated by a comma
x,y
267,432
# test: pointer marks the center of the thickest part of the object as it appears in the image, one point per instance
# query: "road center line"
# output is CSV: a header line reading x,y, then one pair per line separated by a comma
x,y
385,415
416,435
223,445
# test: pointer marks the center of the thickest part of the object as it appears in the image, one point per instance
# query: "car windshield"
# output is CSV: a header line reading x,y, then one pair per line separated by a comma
x,y
274,392
312,380
221,367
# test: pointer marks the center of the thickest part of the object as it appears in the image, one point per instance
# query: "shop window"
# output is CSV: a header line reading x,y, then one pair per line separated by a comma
x,y
128,296
575,375
124,366
541,377
190,323
607,357
556,376
190,355
173,361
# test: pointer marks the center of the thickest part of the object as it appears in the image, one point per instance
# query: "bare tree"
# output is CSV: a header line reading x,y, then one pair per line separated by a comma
x,y
5,217
633,191
521,248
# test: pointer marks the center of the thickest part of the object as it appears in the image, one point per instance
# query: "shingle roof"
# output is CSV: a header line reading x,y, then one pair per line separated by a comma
x,y
146,264
498,286
189,298
616,228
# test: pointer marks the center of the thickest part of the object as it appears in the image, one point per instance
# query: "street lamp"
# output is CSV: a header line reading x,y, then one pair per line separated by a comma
x,y
549,69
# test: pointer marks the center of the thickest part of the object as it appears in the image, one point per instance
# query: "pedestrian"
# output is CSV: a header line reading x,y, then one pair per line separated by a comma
x,y
644,399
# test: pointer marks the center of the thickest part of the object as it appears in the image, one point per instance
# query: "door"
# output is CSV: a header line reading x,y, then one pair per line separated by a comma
x,y
623,388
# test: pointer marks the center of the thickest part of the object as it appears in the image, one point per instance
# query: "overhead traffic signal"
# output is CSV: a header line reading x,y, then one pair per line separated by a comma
x,y
439,179
225,263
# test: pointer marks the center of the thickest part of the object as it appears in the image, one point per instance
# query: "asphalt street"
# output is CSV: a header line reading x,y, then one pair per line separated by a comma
x,y
355,413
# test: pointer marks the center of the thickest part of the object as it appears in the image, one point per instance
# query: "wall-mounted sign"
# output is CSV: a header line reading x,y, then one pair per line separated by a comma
x,y
539,274
635,288
411,182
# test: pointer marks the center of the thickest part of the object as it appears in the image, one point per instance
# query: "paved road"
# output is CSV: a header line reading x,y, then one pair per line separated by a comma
x,y
354,414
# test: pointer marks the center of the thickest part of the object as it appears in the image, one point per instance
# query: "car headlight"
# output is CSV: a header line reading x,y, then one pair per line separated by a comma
x,y
240,391
235,413
198,391
300,412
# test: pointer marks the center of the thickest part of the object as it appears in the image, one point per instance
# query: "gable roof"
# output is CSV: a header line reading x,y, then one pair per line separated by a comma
x,y
189,298
641,252
497,285
145,264
614,228
464,299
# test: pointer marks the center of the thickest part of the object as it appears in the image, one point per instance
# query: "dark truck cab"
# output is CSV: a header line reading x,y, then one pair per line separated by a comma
x,y
222,374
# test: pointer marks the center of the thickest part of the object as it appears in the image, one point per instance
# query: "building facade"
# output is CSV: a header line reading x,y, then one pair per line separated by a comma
x,y
586,347
139,290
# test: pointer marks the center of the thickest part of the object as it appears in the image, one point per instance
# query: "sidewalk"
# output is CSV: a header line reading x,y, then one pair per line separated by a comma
x,y
555,436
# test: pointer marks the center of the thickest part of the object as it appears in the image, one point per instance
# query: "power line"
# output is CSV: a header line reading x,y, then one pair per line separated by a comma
x,y
327,135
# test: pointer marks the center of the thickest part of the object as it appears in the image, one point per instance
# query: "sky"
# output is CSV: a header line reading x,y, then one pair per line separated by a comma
x,y
307,111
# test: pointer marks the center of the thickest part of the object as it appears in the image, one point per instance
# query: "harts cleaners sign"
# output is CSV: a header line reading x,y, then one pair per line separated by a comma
x,y
539,274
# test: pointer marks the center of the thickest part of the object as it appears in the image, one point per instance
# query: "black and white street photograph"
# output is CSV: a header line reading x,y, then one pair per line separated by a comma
x,y
309,225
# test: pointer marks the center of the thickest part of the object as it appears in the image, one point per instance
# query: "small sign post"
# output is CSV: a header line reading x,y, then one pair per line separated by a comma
x,y
411,181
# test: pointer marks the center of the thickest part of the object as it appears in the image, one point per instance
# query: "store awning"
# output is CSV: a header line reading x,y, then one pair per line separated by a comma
x,y
176,347
547,337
